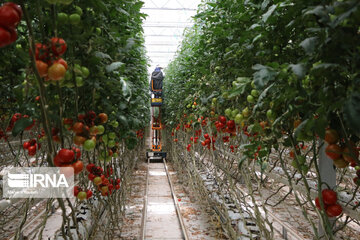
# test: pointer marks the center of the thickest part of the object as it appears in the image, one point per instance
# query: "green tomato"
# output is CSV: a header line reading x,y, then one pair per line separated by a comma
x,y
217,68
254,93
62,18
189,105
81,195
270,115
85,72
250,99
214,100
78,10
98,31
234,112
115,124
111,143
68,75
79,81
105,138
18,46
193,106
235,83
225,95
253,84
112,135
246,112
89,145
228,112
239,118
101,129
75,19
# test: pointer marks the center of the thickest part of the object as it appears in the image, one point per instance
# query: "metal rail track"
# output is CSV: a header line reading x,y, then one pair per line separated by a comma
x,y
174,198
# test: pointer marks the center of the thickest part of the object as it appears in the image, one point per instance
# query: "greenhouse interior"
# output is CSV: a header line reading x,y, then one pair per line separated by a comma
x,y
170,119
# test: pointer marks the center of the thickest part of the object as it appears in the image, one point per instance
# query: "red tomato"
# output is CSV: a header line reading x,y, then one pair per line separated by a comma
x,y
62,62
56,72
206,136
78,166
77,189
26,145
329,196
16,7
89,167
350,154
78,153
222,119
5,37
231,124
89,194
41,52
91,176
58,46
334,210
333,151
9,17
32,150
66,155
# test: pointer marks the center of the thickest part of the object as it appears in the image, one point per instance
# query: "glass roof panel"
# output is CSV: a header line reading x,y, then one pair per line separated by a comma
x,y
164,27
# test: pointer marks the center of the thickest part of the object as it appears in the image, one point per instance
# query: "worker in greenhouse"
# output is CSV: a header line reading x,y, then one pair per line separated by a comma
x,y
157,77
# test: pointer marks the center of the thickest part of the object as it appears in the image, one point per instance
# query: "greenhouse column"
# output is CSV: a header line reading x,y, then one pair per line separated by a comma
x,y
327,174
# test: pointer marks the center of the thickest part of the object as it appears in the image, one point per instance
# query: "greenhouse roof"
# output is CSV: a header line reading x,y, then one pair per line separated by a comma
x,y
164,26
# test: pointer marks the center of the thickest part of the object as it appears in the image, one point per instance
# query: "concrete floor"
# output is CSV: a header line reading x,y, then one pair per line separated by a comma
x,y
161,221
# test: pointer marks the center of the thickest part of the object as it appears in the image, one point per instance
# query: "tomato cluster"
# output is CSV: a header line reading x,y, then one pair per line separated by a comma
x,y
341,152
10,16
329,198
85,128
69,158
82,194
105,185
140,133
31,146
49,64
207,142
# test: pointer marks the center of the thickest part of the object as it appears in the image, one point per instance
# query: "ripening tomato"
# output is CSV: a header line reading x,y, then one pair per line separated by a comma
x,y
81,195
331,136
78,127
56,72
78,166
42,68
79,140
350,154
333,151
103,117
62,62
58,46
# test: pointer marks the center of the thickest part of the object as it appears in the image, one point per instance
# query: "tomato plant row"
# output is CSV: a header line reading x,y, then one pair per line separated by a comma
x,y
283,73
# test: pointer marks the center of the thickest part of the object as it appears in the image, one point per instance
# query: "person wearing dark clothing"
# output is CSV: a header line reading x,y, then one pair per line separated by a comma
x,y
156,80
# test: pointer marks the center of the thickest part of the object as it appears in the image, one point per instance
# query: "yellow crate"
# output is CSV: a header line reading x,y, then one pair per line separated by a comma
x,y
156,100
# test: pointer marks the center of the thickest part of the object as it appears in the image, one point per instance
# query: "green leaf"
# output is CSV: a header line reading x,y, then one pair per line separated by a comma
x,y
266,16
298,69
263,75
20,125
352,112
320,126
113,66
102,55
309,44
